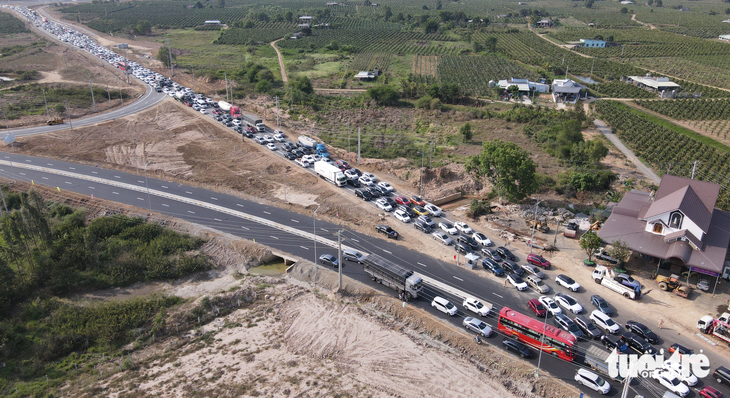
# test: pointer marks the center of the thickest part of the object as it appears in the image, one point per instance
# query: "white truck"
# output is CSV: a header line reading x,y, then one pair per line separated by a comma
x,y
255,122
393,275
225,106
719,327
307,142
596,358
330,173
606,277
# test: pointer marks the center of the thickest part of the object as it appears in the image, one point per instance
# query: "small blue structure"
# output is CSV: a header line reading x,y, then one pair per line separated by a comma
x,y
593,43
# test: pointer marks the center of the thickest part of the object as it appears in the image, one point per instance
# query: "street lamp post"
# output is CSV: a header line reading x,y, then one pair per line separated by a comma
x,y
149,201
420,189
534,222
314,228
542,339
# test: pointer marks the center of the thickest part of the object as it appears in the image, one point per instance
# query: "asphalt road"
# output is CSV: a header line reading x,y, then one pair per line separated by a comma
x,y
486,288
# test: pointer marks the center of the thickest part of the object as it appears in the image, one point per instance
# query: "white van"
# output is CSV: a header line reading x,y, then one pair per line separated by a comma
x,y
443,305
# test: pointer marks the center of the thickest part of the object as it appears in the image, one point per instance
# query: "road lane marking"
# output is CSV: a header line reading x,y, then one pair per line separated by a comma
x,y
325,230
214,198
45,178
163,186
355,240
72,168
421,264
295,220
50,164
266,212
274,237
166,205
22,174
68,183
115,193
459,279
246,228
92,188
27,160
238,204
94,172
188,192
304,247
387,251
140,181
117,177
140,198
218,219
497,295
191,212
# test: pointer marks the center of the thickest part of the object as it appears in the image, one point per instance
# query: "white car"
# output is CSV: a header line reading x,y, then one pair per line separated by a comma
x,y
567,282
592,381
550,305
443,305
308,158
365,180
604,322
442,237
268,139
671,382
517,282
271,146
432,210
569,303
279,137
401,215
386,186
675,368
196,107
450,229
236,122
476,306
382,204
203,110
302,162
351,174
482,239
465,229
317,157
371,176
475,325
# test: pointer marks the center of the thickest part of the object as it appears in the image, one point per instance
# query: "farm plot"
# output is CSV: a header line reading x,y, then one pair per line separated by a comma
x,y
711,116
425,65
9,24
367,60
618,89
472,73
251,35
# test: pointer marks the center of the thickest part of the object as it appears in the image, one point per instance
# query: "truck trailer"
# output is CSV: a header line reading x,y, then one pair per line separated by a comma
x,y
225,106
255,122
606,277
307,142
330,173
393,275
596,358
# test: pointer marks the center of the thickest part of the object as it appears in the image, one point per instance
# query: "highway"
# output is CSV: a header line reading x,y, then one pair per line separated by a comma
x,y
289,232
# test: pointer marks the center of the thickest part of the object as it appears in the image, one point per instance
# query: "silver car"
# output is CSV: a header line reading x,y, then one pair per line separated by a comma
x,y
478,326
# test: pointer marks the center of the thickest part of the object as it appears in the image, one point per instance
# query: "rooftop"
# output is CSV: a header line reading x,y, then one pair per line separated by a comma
x,y
655,82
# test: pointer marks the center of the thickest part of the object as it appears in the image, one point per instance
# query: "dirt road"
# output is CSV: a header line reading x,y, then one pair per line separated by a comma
x,y
647,171
650,26
284,78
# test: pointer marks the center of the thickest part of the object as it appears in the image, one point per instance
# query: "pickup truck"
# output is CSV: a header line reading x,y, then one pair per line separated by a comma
x,y
302,162
387,231
602,254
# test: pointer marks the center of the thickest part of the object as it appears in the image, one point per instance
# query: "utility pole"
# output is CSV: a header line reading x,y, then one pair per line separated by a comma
x,y
358,145
46,102
149,201
339,259
348,142
6,119
278,120
225,78
68,114
314,228
534,222
92,95
169,55
694,168
121,96
593,63
566,71
283,172
108,94
555,240
420,189
193,71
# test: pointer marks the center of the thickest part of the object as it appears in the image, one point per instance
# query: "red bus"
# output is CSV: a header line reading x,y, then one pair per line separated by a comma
x,y
123,66
530,331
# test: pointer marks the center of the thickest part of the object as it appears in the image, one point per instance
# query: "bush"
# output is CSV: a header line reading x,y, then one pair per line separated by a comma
x,y
424,102
586,181
383,94
478,208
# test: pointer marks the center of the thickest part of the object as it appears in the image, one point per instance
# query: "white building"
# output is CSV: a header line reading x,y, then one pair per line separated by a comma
x,y
725,37
524,85
654,83
566,90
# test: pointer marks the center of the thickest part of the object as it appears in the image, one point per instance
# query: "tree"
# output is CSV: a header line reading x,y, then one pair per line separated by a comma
x,y
289,16
431,26
624,10
620,251
515,91
438,4
306,31
220,3
650,2
163,57
383,94
508,167
477,47
198,4
590,242
304,85
589,3
144,27
491,44
388,13
658,3
465,131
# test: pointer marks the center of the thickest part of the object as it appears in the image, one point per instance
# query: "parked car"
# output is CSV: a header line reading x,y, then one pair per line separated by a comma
x,y
505,253
448,228
567,324
482,239
601,304
604,322
422,226
517,282
516,346
371,176
465,239
443,305
567,282
676,370
374,192
364,180
491,253
670,382
478,326
416,200
354,183
382,191
710,392
492,266
463,227
512,267
344,163
351,175
568,302
476,306
427,220
614,343
588,328
353,255
682,350
593,381
461,248
442,237
433,210
408,211
721,375
328,259
383,205
550,305
402,216
402,200
627,280
361,193
638,344
538,260
386,186
387,231
537,307
532,270
643,331
420,210
537,284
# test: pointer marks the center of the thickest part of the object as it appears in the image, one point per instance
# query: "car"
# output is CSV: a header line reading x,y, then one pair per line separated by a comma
x,y
537,284
532,270
492,266
671,382
408,211
591,380
465,239
328,259
351,175
387,231
353,183
569,303
279,137
680,349
317,157
537,307
443,305
196,107
391,202
588,328
567,282
371,176
383,205
461,248
517,282
356,171
463,227
303,163
491,253
353,255
601,304
344,163
442,237
675,368
401,215
416,200
538,260
381,191
505,253
361,193
373,191
638,344
448,228
550,305
238,123
516,346
482,239
478,326
604,322
402,200
627,280
420,210
271,147
721,375
476,306
423,226
290,156
710,392
611,343
643,331
567,324
512,267
365,180
433,210
386,186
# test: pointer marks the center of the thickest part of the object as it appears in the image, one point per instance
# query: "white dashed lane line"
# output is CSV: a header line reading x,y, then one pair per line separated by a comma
x,y
421,264
458,279
294,220
246,228
274,237
218,219
117,177
94,172
164,186
497,295
115,193
304,247
266,212
188,192
68,183
214,198
239,205
387,251
140,199
166,205
191,212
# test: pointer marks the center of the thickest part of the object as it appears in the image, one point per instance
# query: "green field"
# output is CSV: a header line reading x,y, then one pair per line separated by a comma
x,y
9,24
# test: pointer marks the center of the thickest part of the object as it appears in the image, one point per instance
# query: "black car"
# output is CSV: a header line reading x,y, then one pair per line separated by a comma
x,y
358,172
492,266
512,267
410,212
601,304
238,129
467,240
516,346
505,253
422,226
461,248
290,155
643,331
682,350
374,192
354,183
298,152
228,123
638,344
365,195
567,324
387,231
587,327
614,343
328,259
491,253
383,191
722,375
391,202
